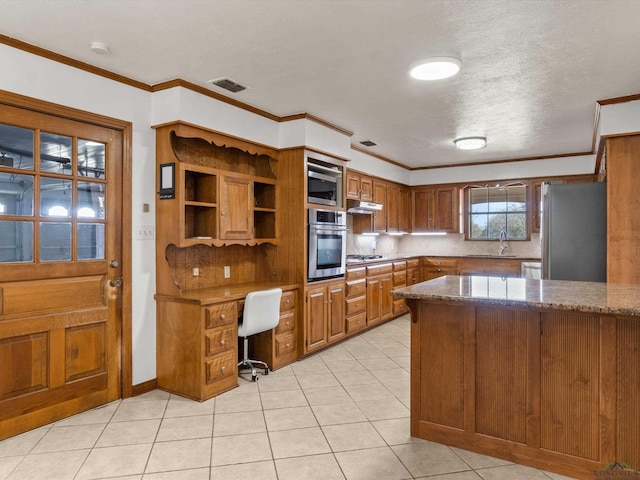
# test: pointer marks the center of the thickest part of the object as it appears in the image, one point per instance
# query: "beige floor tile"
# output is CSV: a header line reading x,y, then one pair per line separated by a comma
x,y
352,436
365,352
372,464
102,414
557,476
245,471
362,377
245,385
282,371
115,461
326,396
225,424
322,380
477,460
152,395
139,410
126,477
252,447
395,350
297,443
183,428
69,438
376,364
396,431
283,399
8,464
404,362
302,369
179,455
248,402
271,383
351,365
185,407
512,472
454,476
338,413
428,458
383,409
337,354
371,391
399,389
129,433
392,375
21,444
289,418
313,467
57,465
193,474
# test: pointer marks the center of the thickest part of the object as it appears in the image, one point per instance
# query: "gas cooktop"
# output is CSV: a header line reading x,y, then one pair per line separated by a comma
x,y
363,257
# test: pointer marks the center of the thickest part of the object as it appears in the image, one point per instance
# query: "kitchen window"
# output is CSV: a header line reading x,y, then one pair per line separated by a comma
x,y
493,210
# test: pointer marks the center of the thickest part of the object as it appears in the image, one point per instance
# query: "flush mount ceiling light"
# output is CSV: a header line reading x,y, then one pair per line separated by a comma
x,y
99,47
470,143
435,68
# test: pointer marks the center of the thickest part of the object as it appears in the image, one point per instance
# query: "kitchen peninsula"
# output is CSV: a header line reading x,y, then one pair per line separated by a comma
x,y
542,373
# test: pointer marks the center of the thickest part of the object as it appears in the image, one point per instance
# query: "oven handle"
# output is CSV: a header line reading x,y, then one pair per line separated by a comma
x,y
320,228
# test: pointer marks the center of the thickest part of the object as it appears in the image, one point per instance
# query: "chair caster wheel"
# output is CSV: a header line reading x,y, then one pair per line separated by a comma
x,y
266,371
254,378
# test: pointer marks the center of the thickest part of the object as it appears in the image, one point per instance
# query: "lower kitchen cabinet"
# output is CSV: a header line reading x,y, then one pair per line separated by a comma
x,y
325,315
379,287
399,280
356,298
434,267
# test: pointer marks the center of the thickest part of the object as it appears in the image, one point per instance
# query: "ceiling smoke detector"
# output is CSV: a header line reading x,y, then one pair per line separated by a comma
x,y
368,143
99,47
228,84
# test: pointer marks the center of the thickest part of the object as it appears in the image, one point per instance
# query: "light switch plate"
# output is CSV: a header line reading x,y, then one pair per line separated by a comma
x,y
144,232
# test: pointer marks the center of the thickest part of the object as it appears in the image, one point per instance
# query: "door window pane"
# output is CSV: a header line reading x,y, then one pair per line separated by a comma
x,y
90,241
90,200
16,194
55,241
55,153
16,242
16,147
55,197
91,157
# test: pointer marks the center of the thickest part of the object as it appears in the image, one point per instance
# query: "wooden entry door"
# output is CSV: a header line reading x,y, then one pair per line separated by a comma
x,y
60,267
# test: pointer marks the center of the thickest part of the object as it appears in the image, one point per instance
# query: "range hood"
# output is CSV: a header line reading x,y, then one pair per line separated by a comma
x,y
361,207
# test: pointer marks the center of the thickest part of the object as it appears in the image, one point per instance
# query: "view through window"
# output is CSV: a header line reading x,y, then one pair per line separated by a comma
x,y
493,210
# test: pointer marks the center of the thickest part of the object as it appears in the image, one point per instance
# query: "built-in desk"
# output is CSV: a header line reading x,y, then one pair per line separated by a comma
x,y
197,338
540,372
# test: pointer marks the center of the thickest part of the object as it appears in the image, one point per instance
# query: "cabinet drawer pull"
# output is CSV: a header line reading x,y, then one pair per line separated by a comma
x,y
288,345
222,317
287,323
222,342
288,300
222,368
223,213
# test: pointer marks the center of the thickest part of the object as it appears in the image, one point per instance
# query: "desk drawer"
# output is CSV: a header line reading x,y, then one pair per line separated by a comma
x,y
220,340
285,344
221,366
221,314
288,300
287,322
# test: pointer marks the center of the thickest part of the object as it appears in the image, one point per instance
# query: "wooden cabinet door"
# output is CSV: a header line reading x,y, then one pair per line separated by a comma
x,y
386,300
366,189
422,209
336,321
536,198
353,186
373,300
380,196
236,212
404,210
446,210
316,319
393,208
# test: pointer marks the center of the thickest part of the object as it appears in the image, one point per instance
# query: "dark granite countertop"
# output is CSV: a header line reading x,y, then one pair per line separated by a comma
x,y
608,298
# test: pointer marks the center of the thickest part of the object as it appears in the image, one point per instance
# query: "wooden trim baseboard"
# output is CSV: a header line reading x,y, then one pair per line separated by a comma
x,y
145,387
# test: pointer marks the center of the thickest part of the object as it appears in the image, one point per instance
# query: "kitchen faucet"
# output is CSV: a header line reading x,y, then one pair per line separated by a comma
x,y
503,237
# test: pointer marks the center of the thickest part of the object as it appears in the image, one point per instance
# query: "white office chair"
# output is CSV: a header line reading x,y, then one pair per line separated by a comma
x,y
261,313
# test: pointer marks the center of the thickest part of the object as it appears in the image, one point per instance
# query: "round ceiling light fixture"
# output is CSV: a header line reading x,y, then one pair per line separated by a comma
x,y
99,47
470,143
435,68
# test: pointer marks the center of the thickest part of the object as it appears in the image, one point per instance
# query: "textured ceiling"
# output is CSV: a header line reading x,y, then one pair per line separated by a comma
x,y
531,76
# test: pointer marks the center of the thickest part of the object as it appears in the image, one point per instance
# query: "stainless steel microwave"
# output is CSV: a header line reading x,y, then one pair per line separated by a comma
x,y
324,184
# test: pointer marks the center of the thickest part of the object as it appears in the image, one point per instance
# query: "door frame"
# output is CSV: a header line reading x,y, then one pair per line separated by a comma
x,y
125,128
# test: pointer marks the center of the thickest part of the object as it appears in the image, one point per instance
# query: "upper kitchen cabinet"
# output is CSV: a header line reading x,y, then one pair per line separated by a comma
x,y
623,209
380,196
359,187
435,209
219,189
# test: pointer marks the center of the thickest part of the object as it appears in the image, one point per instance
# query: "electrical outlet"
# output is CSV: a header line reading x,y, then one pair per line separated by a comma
x,y
227,271
144,232
195,271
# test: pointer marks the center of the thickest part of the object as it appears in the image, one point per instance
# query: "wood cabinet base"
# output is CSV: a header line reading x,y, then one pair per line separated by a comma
x,y
545,388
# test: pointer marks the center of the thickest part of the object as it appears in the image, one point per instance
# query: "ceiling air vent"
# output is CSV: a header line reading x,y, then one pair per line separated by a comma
x,y
368,143
228,84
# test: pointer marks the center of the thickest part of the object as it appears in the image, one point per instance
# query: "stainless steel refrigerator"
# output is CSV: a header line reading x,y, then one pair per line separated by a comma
x,y
574,231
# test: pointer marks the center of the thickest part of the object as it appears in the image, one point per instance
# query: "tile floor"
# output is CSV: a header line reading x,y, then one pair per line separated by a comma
x,y
340,414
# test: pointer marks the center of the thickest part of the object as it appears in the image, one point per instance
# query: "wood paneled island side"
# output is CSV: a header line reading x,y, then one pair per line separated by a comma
x,y
540,372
